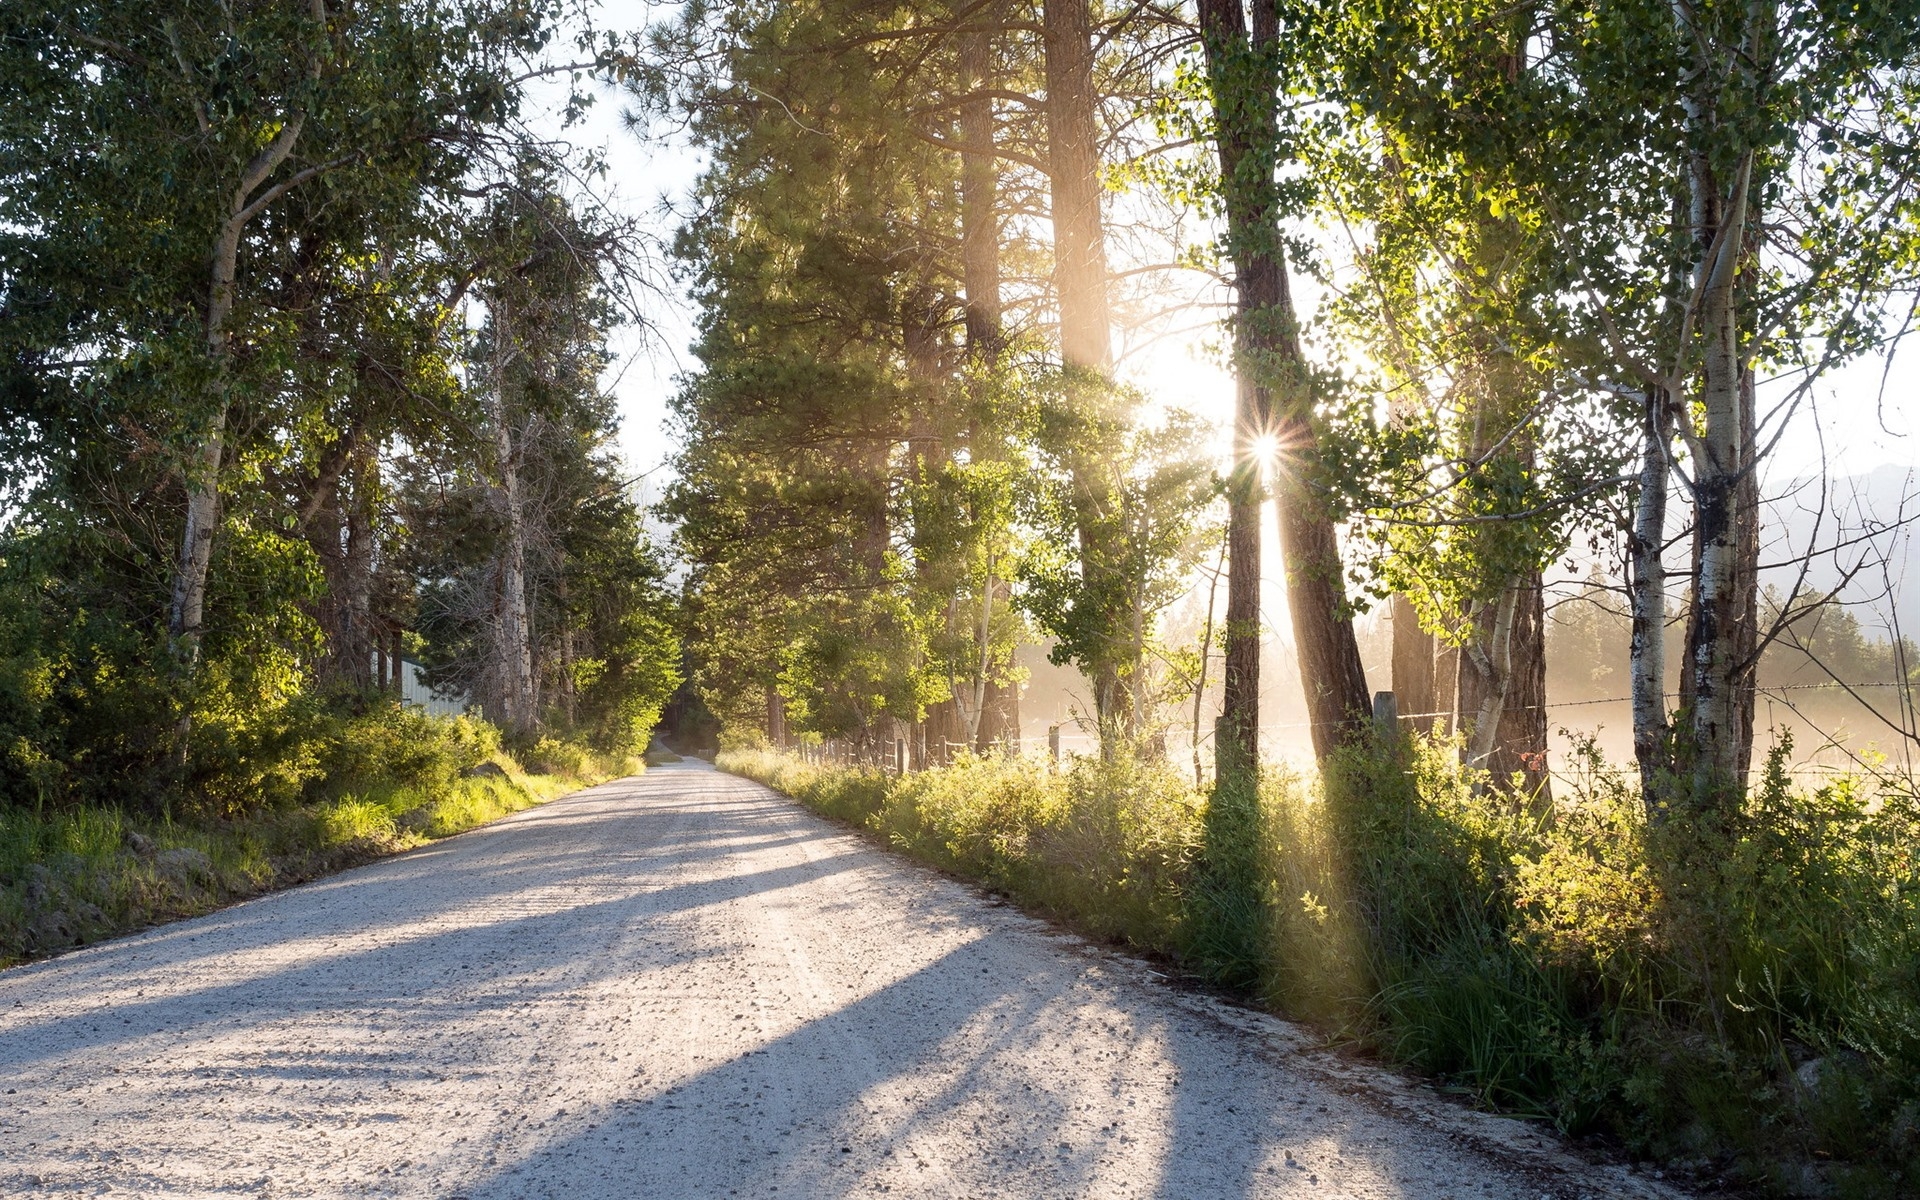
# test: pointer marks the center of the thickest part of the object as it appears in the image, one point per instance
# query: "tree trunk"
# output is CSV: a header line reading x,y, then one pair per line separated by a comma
x,y
983,666
999,719
1717,687
327,520
186,609
1717,679
1501,689
568,653
1416,671
776,717
1446,687
1242,74
1001,725
1200,684
979,198
1647,589
1485,669
515,649
1080,269
1275,400
358,637
1237,745
1086,348
1518,709
1502,673
188,605
1331,672
941,724
873,536
1503,684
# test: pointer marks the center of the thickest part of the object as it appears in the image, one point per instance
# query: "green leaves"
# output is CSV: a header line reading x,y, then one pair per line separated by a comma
x,y
337,159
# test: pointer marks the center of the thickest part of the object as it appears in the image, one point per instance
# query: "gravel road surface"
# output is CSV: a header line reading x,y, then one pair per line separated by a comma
x,y
685,985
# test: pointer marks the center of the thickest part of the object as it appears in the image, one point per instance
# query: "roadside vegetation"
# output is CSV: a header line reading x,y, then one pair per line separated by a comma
x,y
1526,309
1694,992
384,780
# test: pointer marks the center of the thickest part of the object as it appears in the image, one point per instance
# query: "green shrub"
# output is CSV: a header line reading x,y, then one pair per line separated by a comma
x,y
375,781
389,745
850,794
551,756
1117,856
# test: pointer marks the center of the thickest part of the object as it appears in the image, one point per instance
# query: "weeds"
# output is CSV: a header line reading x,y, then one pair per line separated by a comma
x,y
1106,845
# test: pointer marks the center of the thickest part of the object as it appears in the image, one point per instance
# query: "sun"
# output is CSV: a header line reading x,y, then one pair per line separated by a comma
x,y
1266,450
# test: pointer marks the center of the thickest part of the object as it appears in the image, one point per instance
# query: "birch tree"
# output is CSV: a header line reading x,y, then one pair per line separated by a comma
x,y
1767,150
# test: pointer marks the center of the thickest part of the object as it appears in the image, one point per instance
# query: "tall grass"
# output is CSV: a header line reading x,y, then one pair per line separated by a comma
x,y
383,780
1735,993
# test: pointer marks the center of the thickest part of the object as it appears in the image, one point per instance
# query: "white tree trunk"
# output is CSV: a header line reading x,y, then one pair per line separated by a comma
x,y
974,711
188,604
1716,660
186,608
1494,660
1647,585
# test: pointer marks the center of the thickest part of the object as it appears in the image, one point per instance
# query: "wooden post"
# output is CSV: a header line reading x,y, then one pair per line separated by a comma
x,y
1386,715
1053,745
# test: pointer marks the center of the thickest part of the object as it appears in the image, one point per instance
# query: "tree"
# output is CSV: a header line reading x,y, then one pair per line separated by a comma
x,y
1274,414
1721,240
828,410
224,284
150,164
1080,281
540,577
911,158
1243,81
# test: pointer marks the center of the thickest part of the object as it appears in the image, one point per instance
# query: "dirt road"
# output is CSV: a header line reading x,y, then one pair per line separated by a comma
x,y
683,985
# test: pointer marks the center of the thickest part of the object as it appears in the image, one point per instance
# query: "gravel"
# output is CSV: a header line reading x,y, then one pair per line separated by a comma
x,y
685,985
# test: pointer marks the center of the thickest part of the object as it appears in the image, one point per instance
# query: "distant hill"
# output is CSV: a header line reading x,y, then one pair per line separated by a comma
x,y
1798,518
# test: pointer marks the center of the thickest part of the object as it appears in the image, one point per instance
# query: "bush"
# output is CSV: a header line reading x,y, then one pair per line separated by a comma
x,y
373,781
387,745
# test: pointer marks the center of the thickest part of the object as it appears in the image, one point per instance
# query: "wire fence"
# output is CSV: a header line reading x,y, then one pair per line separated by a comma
x,y
1066,738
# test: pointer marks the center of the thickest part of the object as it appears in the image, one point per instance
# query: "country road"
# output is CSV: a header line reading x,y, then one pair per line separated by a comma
x,y
683,985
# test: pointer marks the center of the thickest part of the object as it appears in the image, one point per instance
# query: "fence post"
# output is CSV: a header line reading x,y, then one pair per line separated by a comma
x,y
1386,715
1053,745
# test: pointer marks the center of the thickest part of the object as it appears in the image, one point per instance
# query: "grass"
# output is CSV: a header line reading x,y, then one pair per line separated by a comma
x,y
1104,847
1732,992
393,780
